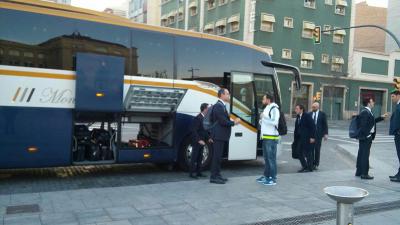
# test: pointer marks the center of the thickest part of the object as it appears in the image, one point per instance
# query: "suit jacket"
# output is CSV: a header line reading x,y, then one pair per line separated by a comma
x,y
367,121
222,130
197,129
304,128
321,128
395,121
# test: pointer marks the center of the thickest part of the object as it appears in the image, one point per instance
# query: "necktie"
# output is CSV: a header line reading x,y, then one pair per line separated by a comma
x,y
315,117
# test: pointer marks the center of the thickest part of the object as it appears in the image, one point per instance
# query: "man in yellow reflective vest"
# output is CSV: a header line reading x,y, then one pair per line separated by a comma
x,y
269,121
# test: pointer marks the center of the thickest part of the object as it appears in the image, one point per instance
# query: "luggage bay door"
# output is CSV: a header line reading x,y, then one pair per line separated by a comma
x,y
243,142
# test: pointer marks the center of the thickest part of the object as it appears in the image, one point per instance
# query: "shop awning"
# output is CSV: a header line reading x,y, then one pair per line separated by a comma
x,y
220,23
308,26
337,60
307,56
193,4
341,3
209,26
340,32
268,18
234,19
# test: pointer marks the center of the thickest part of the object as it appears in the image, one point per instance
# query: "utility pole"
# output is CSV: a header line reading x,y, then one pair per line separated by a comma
x,y
192,71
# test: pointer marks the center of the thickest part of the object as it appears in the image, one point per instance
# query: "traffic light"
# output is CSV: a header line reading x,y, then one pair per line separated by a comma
x,y
317,35
318,96
396,83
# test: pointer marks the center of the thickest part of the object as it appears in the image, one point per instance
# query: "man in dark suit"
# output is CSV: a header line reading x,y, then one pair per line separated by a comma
x,y
200,137
321,131
304,134
367,126
395,129
220,134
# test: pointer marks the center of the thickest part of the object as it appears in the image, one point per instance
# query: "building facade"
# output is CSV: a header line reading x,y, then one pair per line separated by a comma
x,y
364,39
393,21
145,11
285,30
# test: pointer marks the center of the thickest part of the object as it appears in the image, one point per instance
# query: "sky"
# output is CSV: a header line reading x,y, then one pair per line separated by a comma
x,y
380,3
100,5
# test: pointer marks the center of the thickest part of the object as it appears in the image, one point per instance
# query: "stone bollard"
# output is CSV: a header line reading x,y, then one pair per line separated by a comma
x,y
345,198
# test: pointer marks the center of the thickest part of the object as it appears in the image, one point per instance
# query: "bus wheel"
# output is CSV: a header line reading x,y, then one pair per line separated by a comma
x,y
185,155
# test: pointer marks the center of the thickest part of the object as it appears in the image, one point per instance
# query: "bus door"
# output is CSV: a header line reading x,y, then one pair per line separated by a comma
x,y
243,142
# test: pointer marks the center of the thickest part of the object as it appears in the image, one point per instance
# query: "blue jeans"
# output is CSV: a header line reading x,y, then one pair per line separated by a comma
x,y
269,152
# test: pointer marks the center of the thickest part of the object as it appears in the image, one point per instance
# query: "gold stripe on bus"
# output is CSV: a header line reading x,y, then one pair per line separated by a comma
x,y
140,82
37,74
126,23
244,124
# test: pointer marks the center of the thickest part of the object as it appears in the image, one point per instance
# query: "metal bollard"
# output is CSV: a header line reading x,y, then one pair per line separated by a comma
x,y
345,198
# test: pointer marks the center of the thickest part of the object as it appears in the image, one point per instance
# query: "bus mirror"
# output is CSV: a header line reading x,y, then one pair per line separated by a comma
x,y
293,69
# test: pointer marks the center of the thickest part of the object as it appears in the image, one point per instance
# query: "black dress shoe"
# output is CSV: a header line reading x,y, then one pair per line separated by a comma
x,y
217,181
395,179
193,176
367,177
302,170
395,176
201,175
223,178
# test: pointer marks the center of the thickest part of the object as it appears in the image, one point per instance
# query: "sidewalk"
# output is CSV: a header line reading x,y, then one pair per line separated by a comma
x,y
240,201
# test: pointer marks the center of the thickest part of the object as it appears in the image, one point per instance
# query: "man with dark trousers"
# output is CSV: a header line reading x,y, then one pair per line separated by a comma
x,y
321,131
200,137
304,133
367,126
220,134
395,129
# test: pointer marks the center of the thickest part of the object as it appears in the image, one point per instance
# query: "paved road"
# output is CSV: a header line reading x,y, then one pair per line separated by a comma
x,y
70,178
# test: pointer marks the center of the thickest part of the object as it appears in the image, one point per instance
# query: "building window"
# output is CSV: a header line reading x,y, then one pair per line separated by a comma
x,y
338,36
288,22
327,27
222,2
1,51
286,53
209,28
307,59
193,8
337,64
171,17
234,22
180,14
28,54
308,29
309,4
268,49
220,26
325,58
267,22
328,2
211,4
340,7
13,52
164,21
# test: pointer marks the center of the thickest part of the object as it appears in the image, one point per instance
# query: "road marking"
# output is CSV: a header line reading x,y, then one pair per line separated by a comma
x,y
337,139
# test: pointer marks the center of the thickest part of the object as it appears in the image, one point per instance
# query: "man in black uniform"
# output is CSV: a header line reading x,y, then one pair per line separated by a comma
x,y
200,137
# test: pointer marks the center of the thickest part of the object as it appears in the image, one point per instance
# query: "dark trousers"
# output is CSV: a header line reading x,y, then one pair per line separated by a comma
x,y
196,158
397,143
305,154
218,150
316,153
364,150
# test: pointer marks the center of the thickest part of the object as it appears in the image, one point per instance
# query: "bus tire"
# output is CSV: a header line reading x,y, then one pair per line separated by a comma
x,y
185,152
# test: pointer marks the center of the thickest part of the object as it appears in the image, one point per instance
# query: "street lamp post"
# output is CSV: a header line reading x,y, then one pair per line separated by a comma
x,y
192,71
